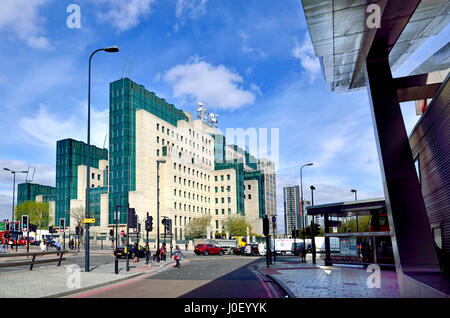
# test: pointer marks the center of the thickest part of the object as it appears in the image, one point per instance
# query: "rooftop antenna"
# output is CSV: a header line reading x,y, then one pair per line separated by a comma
x,y
201,112
105,141
125,61
34,170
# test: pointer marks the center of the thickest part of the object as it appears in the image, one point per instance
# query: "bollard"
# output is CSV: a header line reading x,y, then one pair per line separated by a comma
x,y
116,266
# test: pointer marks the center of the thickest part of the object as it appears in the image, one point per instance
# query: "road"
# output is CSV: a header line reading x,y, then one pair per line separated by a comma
x,y
199,277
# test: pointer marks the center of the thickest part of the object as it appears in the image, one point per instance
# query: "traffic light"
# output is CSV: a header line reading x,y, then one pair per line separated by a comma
x,y
25,223
316,229
16,226
149,224
111,232
77,230
132,218
167,225
50,229
6,226
266,226
33,227
62,224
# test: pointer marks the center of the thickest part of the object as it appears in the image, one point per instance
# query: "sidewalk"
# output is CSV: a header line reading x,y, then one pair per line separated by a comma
x,y
56,281
307,280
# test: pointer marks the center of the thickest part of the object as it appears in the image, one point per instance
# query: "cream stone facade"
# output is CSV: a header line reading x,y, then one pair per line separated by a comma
x,y
198,174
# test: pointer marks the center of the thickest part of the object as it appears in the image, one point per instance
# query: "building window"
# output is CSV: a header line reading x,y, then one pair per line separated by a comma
x,y
221,178
228,177
93,175
157,126
98,177
217,211
223,211
250,196
249,187
215,178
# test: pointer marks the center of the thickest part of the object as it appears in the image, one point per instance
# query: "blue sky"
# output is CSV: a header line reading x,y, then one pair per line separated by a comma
x,y
250,61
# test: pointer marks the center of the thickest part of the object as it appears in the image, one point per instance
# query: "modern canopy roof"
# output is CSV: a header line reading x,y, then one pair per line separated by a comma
x,y
342,39
346,208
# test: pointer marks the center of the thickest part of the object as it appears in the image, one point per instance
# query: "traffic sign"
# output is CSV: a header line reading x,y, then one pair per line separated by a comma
x,y
2,226
92,220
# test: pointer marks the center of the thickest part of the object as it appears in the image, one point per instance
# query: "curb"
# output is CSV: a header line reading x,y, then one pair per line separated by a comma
x,y
277,281
76,291
281,285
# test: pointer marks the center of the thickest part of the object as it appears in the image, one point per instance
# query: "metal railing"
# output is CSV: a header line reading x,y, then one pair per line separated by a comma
x,y
33,261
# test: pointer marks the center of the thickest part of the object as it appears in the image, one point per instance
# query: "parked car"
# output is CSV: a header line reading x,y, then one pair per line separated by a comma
x,y
139,252
239,251
252,250
207,249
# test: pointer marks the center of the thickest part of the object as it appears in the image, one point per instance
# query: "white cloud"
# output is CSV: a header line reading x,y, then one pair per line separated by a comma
x,y
22,17
305,53
216,86
190,9
47,128
125,14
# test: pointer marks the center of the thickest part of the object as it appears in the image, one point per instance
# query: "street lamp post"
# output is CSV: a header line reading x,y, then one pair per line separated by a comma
x,y
157,198
301,199
356,199
313,228
110,49
229,214
14,187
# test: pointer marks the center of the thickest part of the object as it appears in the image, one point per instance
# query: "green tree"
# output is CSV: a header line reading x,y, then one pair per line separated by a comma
x,y
197,227
349,225
238,225
38,213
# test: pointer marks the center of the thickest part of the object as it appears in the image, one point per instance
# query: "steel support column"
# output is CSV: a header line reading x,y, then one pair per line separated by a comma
x,y
412,239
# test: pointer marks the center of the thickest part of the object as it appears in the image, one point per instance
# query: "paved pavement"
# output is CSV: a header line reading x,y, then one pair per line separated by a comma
x,y
306,280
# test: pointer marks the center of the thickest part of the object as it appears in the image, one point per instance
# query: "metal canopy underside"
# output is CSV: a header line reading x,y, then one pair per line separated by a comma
x,y
341,38
346,209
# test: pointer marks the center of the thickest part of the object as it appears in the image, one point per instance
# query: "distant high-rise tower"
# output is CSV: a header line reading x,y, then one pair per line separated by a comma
x,y
292,209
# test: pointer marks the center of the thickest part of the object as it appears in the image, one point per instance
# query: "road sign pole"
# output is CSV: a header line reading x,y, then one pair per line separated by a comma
x,y
28,240
128,239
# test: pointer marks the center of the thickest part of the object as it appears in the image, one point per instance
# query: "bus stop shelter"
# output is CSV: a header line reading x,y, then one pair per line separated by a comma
x,y
360,247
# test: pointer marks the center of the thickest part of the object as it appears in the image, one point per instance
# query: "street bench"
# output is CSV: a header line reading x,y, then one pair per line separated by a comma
x,y
33,261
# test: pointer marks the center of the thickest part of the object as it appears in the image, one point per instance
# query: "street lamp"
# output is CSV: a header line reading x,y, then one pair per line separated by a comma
x,y
313,228
229,214
301,199
109,49
157,198
301,189
356,199
14,187
312,194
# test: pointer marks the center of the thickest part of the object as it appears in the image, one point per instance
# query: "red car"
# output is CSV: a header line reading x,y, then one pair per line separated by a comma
x,y
207,249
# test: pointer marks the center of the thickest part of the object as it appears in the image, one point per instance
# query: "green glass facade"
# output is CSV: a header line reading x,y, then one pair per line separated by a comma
x,y
28,191
239,167
95,196
125,98
70,154
257,175
219,148
250,160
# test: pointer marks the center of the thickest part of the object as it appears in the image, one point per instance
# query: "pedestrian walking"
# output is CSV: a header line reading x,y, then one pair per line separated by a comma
x,y
147,254
135,250
42,246
303,254
3,248
186,246
163,252
157,256
178,255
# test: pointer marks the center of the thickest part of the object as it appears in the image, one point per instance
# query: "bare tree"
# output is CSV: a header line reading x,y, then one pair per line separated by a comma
x,y
77,214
